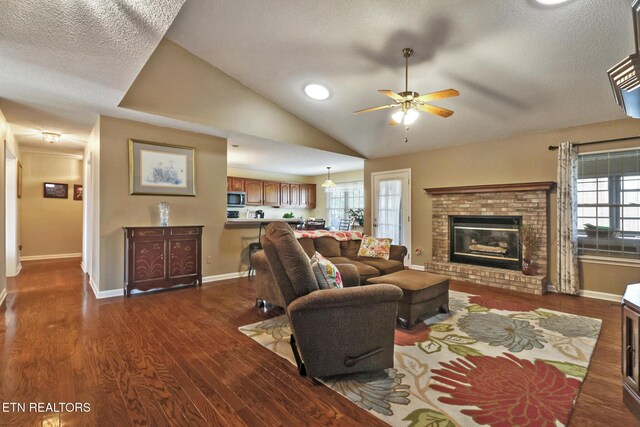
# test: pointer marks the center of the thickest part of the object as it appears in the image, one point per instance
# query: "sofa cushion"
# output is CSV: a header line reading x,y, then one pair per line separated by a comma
x,y
365,271
326,272
350,248
308,246
327,246
373,247
385,266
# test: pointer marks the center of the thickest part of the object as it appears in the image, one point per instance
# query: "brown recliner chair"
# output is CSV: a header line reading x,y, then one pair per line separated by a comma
x,y
335,331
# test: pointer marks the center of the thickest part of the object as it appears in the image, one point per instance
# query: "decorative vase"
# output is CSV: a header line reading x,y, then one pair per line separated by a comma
x,y
163,208
527,267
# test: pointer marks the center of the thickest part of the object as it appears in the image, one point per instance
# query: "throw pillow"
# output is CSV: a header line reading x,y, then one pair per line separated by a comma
x,y
373,247
326,272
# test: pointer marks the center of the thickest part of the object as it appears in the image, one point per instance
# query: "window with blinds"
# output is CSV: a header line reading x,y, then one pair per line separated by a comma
x,y
609,204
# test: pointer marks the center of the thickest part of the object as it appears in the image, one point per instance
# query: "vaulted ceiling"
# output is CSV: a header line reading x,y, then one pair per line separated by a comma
x,y
520,67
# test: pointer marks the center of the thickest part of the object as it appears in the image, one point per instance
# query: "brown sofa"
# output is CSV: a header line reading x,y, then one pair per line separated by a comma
x,y
354,270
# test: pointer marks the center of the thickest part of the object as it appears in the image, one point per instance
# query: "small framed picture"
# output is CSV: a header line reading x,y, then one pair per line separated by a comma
x,y
77,192
161,169
56,191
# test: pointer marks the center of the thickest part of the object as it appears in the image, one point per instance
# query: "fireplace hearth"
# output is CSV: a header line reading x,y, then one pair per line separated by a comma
x,y
492,241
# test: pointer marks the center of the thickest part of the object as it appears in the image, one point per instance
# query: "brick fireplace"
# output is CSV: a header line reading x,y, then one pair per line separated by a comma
x,y
526,202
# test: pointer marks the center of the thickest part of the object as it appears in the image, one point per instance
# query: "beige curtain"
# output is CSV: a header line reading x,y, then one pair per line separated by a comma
x,y
567,226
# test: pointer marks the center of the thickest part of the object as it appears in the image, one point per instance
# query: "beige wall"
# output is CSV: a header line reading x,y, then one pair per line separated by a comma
x,y
50,226
520,159
196,91
226,245
321,199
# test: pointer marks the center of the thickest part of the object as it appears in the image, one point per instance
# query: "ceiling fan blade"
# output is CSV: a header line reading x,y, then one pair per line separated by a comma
x,y
447,93
382,107
391,94
442,112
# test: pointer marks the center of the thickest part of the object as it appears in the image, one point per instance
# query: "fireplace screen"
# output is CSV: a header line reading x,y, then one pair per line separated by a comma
x,y
486,240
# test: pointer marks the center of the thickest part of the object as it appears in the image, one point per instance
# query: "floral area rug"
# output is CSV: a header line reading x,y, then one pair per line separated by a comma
x,y
488,362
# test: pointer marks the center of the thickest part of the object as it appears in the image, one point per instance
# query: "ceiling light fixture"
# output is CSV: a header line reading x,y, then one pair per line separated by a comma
x,y
328,183
551,2
316,91
51,137
405,117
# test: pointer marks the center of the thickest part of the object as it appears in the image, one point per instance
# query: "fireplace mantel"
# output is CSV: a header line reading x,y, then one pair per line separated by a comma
x,y
493,188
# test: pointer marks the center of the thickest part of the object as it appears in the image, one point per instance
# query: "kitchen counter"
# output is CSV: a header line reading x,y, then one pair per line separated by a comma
x,y
261,221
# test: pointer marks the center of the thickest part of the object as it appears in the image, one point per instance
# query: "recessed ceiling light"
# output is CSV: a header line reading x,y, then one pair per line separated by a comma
x,y
316,91
551,2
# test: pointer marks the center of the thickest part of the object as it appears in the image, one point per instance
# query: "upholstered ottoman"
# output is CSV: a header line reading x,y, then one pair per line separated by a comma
x,y
422,293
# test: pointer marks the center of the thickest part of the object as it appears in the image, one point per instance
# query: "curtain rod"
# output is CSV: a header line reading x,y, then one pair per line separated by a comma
x,y
555,147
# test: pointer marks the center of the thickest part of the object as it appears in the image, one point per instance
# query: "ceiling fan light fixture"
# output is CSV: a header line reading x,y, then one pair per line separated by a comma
x,y
316,91
405,117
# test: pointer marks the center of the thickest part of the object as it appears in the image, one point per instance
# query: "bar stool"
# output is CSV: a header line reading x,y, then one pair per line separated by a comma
x,y
253,248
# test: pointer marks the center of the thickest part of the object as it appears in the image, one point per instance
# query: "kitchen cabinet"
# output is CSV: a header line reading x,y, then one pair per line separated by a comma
x,y
273,193
285,199
235,184
312,196
308,196
253,188
270,193
630,348
162,257
294,195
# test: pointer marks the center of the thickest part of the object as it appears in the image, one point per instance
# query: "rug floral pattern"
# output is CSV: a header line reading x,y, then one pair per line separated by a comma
x,y
488,362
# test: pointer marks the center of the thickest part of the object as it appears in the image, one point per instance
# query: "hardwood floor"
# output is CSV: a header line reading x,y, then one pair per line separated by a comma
x,y
177,358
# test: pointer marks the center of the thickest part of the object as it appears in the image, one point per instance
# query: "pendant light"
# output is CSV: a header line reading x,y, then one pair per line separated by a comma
x,y
328,183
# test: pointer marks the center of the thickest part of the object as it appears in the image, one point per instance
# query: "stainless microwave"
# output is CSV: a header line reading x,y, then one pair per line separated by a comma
x,y
236,199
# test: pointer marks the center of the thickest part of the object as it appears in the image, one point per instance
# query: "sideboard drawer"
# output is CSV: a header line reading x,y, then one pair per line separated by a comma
x,y
146,232
185,231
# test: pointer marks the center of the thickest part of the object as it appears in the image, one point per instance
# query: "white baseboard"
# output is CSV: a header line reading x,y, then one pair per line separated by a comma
x,y
417,267
592,294
3,295
84,269
105,294
19,268
54,256
226,276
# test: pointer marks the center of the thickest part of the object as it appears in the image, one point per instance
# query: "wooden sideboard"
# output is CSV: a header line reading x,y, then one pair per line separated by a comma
x,y
162,257
631,348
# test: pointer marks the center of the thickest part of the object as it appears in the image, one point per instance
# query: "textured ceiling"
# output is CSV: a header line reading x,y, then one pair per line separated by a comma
x,y
520,67
64,62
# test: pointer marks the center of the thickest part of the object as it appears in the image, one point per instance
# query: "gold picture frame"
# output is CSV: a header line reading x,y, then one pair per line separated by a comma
x,y
161,169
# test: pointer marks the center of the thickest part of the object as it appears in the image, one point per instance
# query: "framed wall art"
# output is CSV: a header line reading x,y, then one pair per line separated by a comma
x,y
77,192
161,169
54,190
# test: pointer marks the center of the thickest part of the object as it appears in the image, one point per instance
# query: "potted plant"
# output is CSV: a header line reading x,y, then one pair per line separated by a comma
x,y
530,239
357,215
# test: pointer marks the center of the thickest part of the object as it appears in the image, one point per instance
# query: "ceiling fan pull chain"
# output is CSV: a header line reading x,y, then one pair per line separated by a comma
x,y
406,131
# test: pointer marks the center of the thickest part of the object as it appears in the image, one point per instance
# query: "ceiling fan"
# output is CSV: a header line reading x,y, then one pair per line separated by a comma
x,y
411,102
